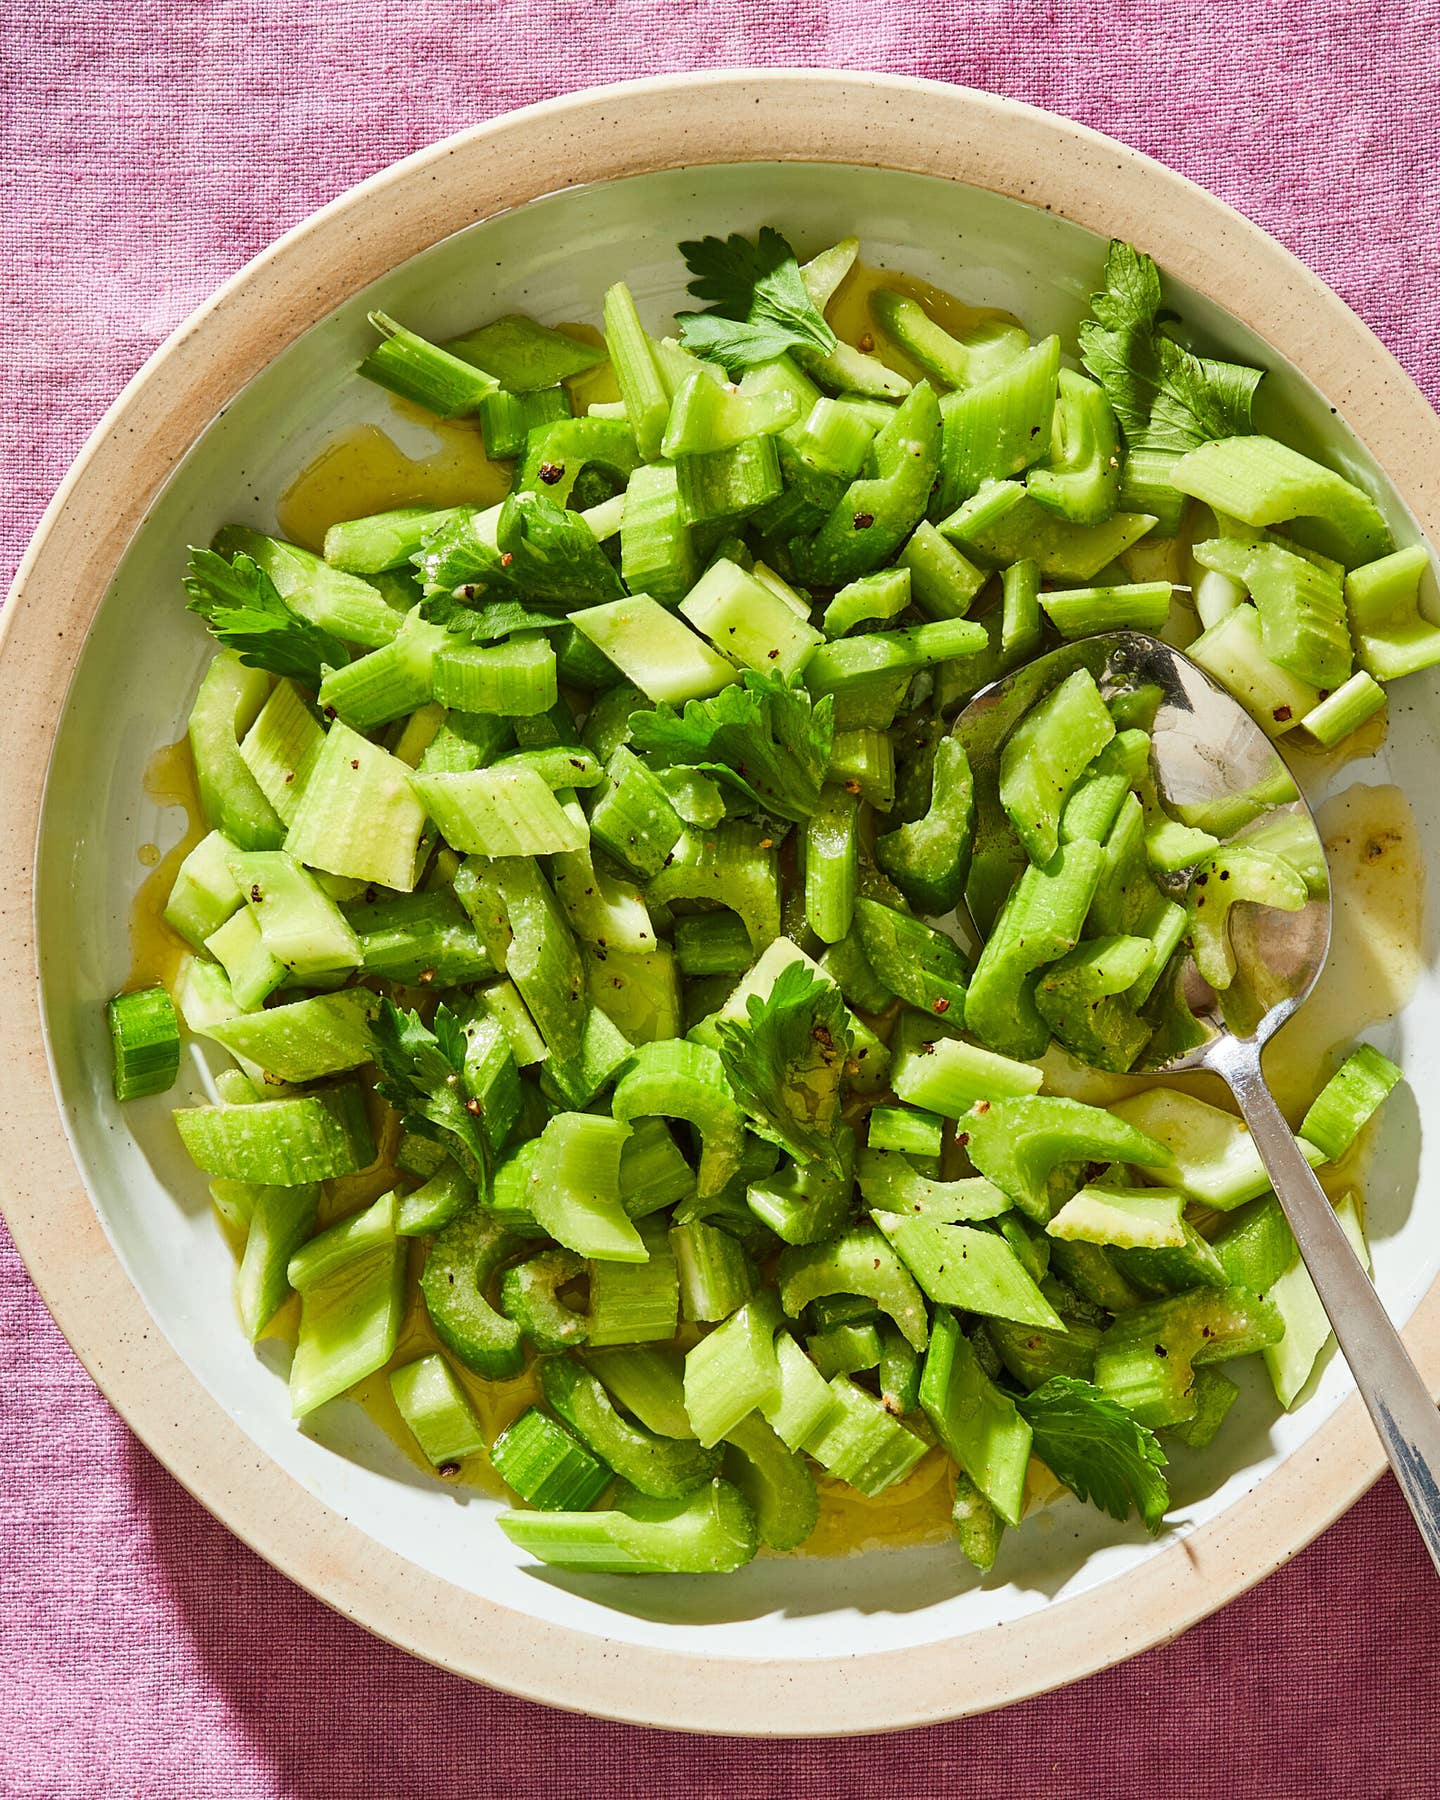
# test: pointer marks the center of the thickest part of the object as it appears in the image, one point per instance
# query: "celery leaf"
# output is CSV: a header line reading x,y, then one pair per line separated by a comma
x,y
420,1075
1166,398
765,739
1100,1452
244,610
786,1060
544,557
759,305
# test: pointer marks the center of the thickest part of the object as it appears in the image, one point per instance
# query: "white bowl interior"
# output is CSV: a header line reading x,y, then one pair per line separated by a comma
x,y
132,693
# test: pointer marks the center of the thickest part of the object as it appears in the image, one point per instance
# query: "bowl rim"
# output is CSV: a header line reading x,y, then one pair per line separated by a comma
x,y
591,136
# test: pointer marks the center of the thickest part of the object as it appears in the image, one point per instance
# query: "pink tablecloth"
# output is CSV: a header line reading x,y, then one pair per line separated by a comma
x,y
152,147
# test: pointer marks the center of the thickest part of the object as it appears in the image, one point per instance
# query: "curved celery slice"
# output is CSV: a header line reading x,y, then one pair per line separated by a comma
x,y
806,1203
1127,1218
660,1466
300,925
1208,1154
923,967
524,355
868,599
1041,920
891,1183
529,1296
1004,523
998,426
747,621
976,1423
556,456
1223,880
417,370
710,1533
926,857
1080,475
1018,1143
228,702
575,1188
978,1527
1349,1100
680,1080
648,1381
728,865
988,347
1303,624
461,1263
1147,1359
1124,606
500,811
664,658
706,415
858,1262
778,1485
1082,998
1267,483
877,513
1046,754
280,747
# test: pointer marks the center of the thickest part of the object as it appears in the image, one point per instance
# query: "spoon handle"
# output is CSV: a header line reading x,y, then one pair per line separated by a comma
x,y
1405,1416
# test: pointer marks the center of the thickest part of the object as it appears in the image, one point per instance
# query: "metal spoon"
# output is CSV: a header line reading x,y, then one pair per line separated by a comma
x,y
1215,768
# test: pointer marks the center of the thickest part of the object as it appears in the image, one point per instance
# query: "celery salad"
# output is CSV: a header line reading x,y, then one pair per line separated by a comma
x,y
600,868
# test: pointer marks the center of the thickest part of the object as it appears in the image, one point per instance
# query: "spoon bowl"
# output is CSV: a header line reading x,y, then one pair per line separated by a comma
x,y
1216,771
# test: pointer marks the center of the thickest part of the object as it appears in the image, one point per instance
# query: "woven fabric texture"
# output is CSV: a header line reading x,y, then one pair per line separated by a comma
x,y
150,149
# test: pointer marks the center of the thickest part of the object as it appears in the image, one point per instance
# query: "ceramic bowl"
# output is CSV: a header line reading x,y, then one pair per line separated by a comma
x,y
538,211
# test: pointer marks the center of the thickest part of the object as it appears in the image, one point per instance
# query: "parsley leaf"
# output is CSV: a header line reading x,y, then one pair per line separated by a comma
x,y
765,739
759,304
243,608
786,1060
544,556
488,623
420,1075
1097,1449
1166,398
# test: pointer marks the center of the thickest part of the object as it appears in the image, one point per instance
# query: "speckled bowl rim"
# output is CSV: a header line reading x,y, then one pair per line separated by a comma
x,y
804,115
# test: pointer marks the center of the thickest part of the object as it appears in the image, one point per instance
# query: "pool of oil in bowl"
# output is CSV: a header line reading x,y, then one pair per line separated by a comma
x,y
1369,833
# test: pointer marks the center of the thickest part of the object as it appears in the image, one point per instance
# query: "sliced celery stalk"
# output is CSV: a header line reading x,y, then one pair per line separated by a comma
x,y
280,748
859,1443
281,1218
229,700
1291,1361
437,1410
349,1326
860,1261
732,1370
344,604
145,1042
417,370
546,1466
974,1420
663,657
657,1464
1266,483
284,1143
575,1189
506,810
1348,1101
1392,635
359,815
300,925
325,1034
712,1532
747,622
1209,1154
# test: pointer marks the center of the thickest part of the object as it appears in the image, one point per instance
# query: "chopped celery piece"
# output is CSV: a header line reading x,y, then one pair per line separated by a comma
x,y
422,940
232,802
632,357
648,1382
506,421
968,1267
300,925
1126,1217
974,1420
657,552
281,1218
652,1461
369,1229
926,857
417,370
875,599
746,621
860,1444
732,1370
281,746
575,1188
1003,523
706,415
713,944
344,604
1019,1143
1084,998
978,1527
1128,606
717,1274
864,760
145,1042
902,1128
949,1075
459,1268
1393,637
324,1034
546,1466
806,1203
1233,652
891,1183
943,583
529,1296
1291,1360
505,810
516,678
832,862
349,1327
1267,483
1344,711
989,345
636,1303
712,1532
204,894
728,866
1046,754
437,1410
996,427
1301,604
524,355
390,682
859,1261
1348,1101
442,1197
1079,476
845,1349
1208,1154
1147,1358
358,815
776,1482
921,966
283,1143
658,652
